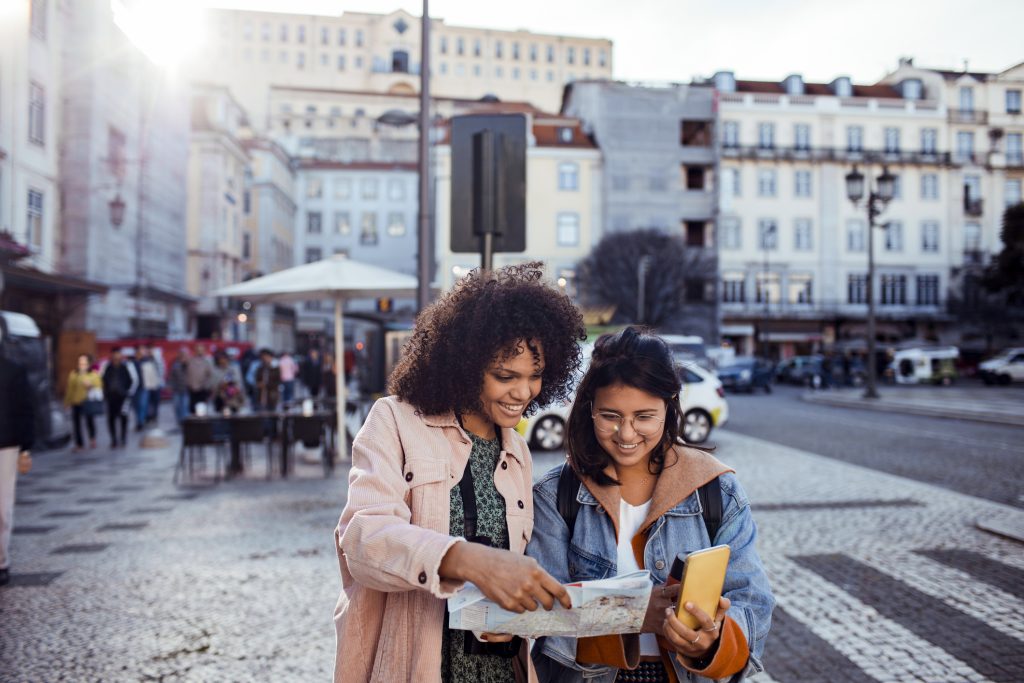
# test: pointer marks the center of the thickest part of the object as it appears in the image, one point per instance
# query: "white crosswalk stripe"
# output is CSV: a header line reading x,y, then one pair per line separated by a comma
x,y
882,648
999,609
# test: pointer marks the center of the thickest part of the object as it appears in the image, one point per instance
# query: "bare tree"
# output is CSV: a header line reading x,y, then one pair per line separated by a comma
x,y
675,275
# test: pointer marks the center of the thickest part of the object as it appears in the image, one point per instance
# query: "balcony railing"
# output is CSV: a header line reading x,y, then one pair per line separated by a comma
x,y
973,206
974,257
968,116
838,154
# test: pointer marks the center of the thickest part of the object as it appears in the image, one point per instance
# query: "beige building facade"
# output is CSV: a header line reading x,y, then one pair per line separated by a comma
x,y
563,204
251,51
268,231
216,184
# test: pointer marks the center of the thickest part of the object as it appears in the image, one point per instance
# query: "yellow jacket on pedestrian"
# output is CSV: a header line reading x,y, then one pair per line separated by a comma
x,y
79,384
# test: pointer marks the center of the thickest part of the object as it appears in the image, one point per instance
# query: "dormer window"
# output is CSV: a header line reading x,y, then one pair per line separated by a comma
x,y
912,89
564,134
794,84
842,87
725,81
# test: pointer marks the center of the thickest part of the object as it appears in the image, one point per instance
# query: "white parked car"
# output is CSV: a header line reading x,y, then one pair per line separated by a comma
x,y
701,399
1007,367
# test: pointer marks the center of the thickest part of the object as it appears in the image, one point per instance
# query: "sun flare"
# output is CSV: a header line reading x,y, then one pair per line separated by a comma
x,y
166,31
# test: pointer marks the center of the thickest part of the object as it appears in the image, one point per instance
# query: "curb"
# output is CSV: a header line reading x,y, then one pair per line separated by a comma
x,y
912,409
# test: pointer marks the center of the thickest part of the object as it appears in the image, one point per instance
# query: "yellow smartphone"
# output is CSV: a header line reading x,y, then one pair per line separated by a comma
x,y
702,574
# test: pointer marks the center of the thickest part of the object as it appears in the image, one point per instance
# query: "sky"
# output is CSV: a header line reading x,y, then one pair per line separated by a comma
x,y
676,40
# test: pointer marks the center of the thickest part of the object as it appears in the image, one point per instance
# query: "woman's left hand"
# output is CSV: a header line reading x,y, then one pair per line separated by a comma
x,y
496,637
695,643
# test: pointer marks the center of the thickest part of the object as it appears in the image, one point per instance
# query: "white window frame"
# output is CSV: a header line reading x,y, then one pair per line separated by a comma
x,y
803,234
732,233
856,235
767,234
569,176
929,186
802,183
767,182
766,135
894,236
567,229
929,237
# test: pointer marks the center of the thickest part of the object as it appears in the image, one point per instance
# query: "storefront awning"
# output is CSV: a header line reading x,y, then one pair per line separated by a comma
x,y
36,281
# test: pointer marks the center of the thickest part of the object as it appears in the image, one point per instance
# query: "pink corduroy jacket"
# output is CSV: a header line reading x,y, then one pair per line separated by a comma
x,y
393,534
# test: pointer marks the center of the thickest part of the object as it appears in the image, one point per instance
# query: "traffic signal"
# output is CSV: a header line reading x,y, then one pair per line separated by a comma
x,y
384,304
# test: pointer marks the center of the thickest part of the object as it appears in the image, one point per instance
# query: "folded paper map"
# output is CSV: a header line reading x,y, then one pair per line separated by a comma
x,y
599,608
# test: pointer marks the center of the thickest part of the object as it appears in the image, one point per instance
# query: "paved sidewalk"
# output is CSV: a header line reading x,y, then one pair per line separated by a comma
x,y
998,405
120,576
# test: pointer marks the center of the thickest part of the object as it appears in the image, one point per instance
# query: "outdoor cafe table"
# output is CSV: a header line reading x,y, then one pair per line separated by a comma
x,y
276,426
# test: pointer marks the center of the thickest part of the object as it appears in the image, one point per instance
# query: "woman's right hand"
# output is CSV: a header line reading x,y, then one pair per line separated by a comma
x,y
515,582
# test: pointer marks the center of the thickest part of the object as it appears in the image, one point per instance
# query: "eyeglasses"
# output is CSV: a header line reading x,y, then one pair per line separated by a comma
x,y
610,423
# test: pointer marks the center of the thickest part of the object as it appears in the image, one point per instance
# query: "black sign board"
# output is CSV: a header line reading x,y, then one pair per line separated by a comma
x,y
488,184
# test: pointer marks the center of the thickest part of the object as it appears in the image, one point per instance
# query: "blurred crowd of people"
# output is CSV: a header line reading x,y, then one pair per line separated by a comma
x,y
197,381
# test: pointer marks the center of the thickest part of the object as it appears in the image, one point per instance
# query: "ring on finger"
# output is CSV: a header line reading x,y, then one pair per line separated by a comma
x,y
694,641
710,630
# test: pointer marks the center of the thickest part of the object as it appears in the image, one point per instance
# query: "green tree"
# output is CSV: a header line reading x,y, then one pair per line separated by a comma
x,y
1005,275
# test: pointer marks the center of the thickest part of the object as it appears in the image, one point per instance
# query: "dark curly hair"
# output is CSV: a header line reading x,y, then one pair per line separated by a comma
x,y
461,334
634,357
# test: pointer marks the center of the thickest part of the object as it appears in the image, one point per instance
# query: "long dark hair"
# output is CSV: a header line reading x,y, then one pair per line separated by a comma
x,y
637,358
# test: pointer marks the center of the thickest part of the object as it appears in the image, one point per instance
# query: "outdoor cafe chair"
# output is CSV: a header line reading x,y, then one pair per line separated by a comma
x,y
197,434
247,430
311,431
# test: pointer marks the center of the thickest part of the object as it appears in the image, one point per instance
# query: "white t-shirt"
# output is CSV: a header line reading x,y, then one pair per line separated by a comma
x,y
630,519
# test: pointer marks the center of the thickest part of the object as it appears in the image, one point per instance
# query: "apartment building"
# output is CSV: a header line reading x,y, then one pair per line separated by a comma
x,y
251,51
792,247
564,178
217,166
268,236
123,155
30,60
659,171
363,209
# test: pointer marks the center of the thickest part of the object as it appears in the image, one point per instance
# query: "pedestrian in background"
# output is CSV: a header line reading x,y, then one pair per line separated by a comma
x,y
177,380
83,394
312,373
288,369
17,432
199,377
119,384
150,381
496,346
267,380
330,377
228,381
637,486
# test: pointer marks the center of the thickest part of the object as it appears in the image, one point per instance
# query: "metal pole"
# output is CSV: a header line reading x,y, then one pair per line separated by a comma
x,y
424,242
339,376
870,391
641,286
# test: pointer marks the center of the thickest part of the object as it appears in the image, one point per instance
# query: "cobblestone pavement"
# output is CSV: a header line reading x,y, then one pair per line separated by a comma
x,y
120,576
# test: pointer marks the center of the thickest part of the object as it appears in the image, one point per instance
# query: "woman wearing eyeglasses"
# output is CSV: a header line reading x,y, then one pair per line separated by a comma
x,y
637,487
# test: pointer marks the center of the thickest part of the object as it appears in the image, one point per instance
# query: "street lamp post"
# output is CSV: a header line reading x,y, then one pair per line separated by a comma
x,y
877,199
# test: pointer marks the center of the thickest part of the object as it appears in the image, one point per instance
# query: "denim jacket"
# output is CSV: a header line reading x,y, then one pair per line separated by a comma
x,y
591,554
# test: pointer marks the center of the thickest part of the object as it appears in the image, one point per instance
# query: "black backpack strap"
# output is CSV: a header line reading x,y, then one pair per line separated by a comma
x,y
711,507
568,490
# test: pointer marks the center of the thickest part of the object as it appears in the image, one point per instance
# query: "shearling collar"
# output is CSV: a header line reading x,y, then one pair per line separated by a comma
x,y
686,470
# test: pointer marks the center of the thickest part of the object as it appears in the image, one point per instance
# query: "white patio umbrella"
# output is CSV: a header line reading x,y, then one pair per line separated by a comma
x,y
337,278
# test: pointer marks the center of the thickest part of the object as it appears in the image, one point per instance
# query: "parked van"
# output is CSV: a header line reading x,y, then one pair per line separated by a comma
x,y
935,365
21,341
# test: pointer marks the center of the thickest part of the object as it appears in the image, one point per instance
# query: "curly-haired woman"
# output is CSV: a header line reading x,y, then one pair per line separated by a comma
x,y
440,486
